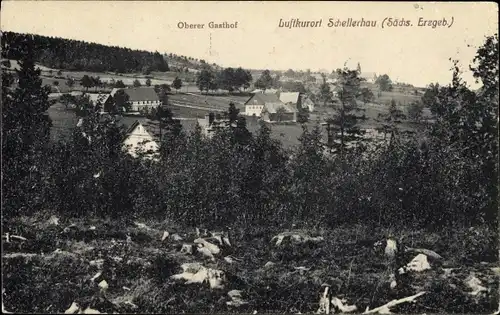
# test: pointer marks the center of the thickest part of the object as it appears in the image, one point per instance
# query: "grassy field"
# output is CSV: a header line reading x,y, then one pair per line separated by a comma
x,y
63,261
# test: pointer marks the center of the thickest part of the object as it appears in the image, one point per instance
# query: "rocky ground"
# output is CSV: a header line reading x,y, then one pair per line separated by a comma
x,y
54,265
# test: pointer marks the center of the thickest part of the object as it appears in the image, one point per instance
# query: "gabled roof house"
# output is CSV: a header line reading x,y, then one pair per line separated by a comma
x,y
271,107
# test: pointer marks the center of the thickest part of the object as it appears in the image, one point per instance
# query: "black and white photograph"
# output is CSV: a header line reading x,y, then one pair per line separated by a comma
x,y
253,157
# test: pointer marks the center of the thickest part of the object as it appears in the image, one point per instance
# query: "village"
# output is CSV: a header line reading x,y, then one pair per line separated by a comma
x,y
280,106
156,165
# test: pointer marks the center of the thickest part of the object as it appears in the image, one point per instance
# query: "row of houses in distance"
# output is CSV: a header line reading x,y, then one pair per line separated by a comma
x,y
140,98
274,105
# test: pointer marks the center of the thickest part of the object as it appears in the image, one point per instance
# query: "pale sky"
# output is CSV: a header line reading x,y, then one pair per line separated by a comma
x,y
417,55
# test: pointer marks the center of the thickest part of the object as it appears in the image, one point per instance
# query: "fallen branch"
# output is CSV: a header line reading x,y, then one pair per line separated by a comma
x,y
386,308
8,237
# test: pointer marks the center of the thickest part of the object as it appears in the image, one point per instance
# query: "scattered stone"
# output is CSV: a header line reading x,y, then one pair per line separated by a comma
x,y
165,235
417,264
72,309
142,226
475,285
176,237
89,310
205,252
341,305
229,260
236,299
196,273
297,237
214,249
103,285
391,248
53,220
187,249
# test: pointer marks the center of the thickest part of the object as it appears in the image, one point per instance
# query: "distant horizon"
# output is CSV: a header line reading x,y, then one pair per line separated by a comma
x,y
417,56
223,66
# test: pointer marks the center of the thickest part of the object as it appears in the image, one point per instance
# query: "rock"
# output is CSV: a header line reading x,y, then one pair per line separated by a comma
x,y
72,309
187,249
390,248
53,220
103,285
418,264
176,237
165,235
214,249
236,299
142,226
475,285
196,273
206,253
89,310
297,237
342,306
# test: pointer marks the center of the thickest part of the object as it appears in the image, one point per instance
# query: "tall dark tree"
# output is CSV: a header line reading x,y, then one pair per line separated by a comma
x,y
384,83
344,124
86,82
119,84
121,100
325,94
25,134
177,84
367,95
391,122
205,80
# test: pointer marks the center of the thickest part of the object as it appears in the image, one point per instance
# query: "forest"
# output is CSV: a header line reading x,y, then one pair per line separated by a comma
x,y
73,55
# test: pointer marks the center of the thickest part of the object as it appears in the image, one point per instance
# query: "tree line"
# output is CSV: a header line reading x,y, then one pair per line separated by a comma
x,y
228,79
443,175
76,55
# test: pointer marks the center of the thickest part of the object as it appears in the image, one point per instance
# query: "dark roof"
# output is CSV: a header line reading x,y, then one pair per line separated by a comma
x,y
141,94
263,98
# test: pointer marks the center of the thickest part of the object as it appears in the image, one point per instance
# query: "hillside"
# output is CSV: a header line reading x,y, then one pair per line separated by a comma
x,y
74,55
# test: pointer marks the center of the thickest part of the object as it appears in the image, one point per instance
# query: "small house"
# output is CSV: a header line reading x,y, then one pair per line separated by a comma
x,y
105,100
211,123
142,136
141,98
271,108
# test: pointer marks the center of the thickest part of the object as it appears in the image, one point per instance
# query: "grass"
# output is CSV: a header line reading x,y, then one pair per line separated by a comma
x,y
139,271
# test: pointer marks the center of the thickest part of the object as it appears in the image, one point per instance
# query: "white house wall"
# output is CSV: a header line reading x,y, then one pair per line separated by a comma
x,y
138,105
140,138
251,110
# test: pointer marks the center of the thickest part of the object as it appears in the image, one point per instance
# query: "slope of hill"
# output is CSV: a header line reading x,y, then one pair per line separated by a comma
x,y
76,55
